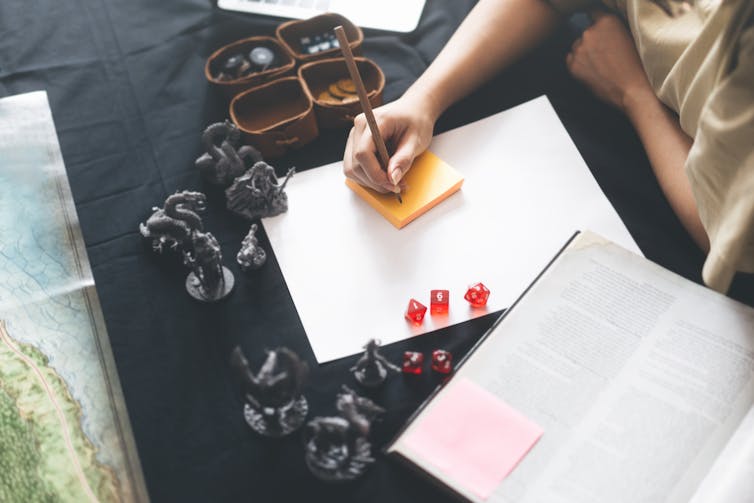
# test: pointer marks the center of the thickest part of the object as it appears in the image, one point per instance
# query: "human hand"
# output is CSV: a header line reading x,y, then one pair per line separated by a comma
x,y
605,59
405,124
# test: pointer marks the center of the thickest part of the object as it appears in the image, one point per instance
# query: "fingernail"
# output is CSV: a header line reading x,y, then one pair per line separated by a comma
x,y
395,176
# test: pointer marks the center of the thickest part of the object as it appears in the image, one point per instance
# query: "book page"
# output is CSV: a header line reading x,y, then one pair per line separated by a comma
x,y
637,376
731,479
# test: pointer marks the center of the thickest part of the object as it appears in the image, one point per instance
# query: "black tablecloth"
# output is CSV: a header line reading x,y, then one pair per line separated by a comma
x,y
129,101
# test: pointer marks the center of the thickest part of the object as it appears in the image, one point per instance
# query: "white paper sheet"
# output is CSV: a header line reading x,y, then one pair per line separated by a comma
x,y
351,273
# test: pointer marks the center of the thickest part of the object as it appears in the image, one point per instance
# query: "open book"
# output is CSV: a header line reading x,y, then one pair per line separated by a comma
x,y
641,381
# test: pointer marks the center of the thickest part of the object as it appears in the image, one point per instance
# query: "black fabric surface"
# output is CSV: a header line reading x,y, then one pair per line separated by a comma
x,y
125,83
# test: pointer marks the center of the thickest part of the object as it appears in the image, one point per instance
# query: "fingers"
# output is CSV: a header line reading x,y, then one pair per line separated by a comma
x,y
402,159
351,167
360,161
400,127
365,154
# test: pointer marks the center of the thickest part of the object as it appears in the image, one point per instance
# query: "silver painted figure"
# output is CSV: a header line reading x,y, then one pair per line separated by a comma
x,y
372,368
258,193
172,225
224,161
251,255
209,280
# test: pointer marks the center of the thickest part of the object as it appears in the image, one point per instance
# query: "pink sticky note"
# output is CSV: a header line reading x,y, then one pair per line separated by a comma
x,y
473,436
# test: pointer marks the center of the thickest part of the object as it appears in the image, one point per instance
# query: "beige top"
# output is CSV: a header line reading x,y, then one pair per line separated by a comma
x,y
701,64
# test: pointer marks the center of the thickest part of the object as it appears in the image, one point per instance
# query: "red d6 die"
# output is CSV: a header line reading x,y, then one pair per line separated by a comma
x,y
438,301
442,361
415,311
412,362
477,295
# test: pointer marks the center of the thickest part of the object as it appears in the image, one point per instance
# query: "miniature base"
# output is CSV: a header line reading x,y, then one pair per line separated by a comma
x,y
352,466
372,380
285,420
254,214
194,287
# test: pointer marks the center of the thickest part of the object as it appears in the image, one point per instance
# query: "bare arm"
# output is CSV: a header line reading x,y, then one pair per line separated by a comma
x,y
493,35
667,146
606,61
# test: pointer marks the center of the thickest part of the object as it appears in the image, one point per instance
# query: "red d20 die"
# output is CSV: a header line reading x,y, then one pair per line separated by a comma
x,y
412,362
438,301
442,361
415,311
477,295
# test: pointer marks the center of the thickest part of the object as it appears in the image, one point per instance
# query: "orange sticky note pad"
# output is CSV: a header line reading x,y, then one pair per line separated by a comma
x,y
429,181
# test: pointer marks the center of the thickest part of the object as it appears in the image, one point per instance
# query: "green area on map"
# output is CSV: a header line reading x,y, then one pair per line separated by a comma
x,y
45,454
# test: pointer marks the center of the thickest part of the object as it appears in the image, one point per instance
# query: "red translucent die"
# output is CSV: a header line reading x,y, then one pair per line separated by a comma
x,y
412,362
415,311
438,301
477,295
442,361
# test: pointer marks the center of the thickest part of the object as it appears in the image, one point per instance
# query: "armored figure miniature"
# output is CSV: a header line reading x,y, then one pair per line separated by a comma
x,y
251,255
257,192
336,448
209,280
224,161
372,368
274,404
172,225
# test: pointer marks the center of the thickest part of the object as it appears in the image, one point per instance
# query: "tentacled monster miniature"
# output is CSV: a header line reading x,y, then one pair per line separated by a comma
x,y
172,225
224,161
209,280
251,255
274,404
178,226
372,368
336,448
258,193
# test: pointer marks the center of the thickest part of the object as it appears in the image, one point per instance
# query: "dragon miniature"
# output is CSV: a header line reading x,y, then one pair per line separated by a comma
x,y
337,447
279,381
223,160
274,403
173,224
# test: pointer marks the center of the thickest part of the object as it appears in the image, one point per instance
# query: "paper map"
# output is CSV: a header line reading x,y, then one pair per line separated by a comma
x,y
64,431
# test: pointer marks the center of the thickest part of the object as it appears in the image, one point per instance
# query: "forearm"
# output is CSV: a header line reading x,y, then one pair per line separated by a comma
x,y
667,147
493,35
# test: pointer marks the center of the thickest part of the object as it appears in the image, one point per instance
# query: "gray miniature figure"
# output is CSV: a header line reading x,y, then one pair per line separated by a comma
x,y
336,448
257,192
209,280
372,368
274,404
224,161
173,224
251,255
